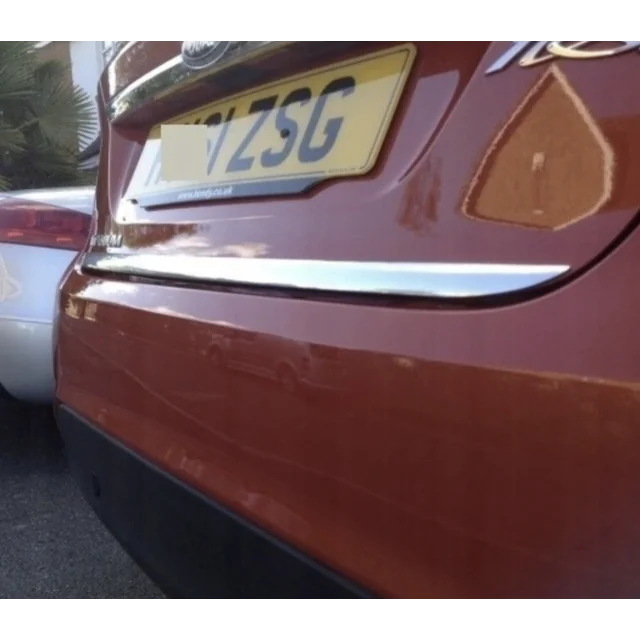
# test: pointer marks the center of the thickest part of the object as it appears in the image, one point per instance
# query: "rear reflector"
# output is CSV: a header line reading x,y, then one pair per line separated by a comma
x,y
42,225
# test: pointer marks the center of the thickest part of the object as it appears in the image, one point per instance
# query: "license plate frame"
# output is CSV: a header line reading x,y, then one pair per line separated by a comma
x,y
356,147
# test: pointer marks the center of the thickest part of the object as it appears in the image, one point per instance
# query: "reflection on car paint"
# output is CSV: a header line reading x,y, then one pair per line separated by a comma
x,y
549,166
10,288
428,403
471,452
295,366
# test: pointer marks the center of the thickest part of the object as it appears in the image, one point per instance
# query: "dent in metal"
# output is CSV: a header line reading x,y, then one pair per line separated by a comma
x,y
435,280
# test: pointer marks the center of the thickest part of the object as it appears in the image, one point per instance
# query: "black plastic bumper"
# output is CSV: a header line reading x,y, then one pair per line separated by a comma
x,y
189,545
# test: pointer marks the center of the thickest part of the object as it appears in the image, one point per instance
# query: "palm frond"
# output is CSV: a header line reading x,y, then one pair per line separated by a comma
x,y
43,117
17,64
62,112
44,164
11,138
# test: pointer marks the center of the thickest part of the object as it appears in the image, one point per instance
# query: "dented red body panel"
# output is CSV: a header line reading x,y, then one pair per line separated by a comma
x,y
418,446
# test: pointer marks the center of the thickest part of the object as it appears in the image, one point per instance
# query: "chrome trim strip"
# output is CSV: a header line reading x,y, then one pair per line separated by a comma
x,y
120,50
173,75
426,279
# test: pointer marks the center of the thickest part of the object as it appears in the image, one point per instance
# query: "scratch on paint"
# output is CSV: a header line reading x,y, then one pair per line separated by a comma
x,y
9,287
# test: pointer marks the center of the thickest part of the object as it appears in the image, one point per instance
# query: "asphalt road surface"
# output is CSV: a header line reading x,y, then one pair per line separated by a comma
x,y
51,544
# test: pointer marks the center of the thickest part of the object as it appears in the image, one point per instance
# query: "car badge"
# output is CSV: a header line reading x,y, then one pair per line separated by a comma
x,y
110,240
200,54
529,53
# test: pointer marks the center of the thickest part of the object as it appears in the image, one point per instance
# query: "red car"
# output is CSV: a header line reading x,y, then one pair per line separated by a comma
x,y
384,341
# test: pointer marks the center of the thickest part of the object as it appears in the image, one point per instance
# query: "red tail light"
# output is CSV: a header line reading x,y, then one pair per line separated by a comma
x,y
42,225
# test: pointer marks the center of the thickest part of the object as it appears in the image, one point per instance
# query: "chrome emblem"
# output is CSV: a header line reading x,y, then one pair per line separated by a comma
x,y
529,53
201,54
110,240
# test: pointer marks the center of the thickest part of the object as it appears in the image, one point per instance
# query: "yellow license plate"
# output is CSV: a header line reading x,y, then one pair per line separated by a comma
x,y
285,137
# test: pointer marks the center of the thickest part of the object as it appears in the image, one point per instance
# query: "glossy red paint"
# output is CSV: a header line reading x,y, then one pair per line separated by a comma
x,y
418,450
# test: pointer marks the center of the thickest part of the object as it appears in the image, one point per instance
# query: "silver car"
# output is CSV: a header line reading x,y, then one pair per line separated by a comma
x,y
41,231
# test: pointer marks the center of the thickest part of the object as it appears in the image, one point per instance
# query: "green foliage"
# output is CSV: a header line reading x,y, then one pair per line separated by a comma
x,y
42,118
88,178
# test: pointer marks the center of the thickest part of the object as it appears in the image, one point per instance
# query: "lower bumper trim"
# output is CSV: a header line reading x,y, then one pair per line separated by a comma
x,y
190,546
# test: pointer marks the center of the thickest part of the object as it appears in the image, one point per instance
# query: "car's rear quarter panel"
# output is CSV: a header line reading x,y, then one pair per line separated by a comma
x,y
469,452
483,453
